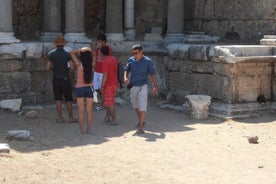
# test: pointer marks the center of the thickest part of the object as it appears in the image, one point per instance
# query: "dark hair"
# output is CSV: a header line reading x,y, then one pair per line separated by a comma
x,y
101,37
105,50
86,61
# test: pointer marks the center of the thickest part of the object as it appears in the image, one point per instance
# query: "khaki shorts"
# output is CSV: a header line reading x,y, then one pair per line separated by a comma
x,y
139,97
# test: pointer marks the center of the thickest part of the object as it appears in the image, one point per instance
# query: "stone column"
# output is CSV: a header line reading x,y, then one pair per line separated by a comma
x,y
6,29
114,20
175,22
51,20
74,18
129,20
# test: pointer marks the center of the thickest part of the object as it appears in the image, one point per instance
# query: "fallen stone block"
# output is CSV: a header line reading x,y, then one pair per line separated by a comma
x,y
31,115
12,104
4,148
19,135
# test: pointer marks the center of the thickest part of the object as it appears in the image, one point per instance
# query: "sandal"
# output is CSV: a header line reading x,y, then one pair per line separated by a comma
x,y
140,131
73,121
112,123
60,121
107,120
137,126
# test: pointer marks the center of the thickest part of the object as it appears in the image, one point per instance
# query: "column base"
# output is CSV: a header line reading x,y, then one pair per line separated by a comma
x,y
130,34
268,40
174,37
76,38
7,37
49,36
115,37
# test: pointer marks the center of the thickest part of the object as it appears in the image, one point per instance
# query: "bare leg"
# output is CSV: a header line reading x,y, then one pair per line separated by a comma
x,y
141,117
107,115
100,96
89,107
112,113
59,110
70,111
80,102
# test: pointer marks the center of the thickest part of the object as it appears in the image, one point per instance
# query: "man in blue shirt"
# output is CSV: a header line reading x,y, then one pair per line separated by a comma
x,y
140,67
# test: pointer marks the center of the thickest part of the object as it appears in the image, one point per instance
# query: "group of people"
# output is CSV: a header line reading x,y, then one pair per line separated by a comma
x,y
97,73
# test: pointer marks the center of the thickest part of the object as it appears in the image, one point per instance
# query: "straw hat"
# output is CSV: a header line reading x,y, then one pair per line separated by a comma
x,y
59,41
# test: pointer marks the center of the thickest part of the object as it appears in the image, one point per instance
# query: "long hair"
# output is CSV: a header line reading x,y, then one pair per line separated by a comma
x,y
86,61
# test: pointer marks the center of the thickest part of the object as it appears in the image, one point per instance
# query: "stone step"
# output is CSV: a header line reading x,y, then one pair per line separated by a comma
x,y
269,36
243,110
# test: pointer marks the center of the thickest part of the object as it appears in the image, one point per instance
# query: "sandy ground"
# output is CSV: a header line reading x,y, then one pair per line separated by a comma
x,y
174,149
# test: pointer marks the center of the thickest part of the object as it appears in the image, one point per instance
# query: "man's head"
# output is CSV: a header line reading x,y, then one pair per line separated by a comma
x,y
104,50
59,41
137,51
101,39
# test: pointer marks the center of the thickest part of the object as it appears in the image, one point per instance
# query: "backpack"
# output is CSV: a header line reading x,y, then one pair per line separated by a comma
x,y
120,74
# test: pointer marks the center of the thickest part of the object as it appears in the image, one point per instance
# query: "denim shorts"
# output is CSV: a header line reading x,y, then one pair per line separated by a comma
x,y
86,91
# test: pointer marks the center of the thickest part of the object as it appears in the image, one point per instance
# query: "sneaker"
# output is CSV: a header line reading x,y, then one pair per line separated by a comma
x,y
99,108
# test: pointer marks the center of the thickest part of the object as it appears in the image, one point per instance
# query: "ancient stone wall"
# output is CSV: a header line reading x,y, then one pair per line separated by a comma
x,y
236,21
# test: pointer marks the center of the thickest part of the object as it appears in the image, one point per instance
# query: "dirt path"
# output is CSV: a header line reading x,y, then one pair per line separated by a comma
x,y
174,149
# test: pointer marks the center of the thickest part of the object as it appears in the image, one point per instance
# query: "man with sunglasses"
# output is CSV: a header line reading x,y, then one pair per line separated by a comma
x,y
140,67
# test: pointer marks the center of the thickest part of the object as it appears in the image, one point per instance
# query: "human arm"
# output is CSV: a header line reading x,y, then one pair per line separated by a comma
x,y
49,66
155,84
74,56
104,80
126,81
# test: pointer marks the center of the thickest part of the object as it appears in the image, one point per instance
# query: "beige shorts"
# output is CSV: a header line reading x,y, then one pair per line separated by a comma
x,y
139,97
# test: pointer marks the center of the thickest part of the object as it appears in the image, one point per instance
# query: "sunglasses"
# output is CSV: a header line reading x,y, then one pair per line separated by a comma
x,y
135,53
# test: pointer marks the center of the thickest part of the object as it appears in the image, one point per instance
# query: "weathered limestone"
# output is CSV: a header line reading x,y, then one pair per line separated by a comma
x,y
154,35
114,22
268,40
129,20
175,21
200,105
19,135
6,30
12,51
12,104
51,24
4,148
75,31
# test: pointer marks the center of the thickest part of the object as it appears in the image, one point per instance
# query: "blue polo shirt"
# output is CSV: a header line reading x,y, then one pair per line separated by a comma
x,y
140,70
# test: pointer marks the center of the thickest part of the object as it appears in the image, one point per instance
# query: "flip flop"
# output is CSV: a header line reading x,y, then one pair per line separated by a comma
x,y
140,131
73,121
137,126
112,123
107,120
60,121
